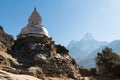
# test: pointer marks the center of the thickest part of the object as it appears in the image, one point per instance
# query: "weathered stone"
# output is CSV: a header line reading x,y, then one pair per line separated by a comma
x,y
54,60
7,60
6,39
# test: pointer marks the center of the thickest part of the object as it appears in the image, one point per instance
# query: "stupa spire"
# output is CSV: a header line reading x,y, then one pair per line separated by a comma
x,y
35,17
34,8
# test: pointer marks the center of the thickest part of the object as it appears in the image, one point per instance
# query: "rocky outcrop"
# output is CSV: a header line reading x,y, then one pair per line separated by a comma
x,y
6,39
6,60
39,56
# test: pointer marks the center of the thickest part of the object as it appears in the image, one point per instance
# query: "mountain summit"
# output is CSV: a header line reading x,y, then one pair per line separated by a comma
x,y
80,49
87,36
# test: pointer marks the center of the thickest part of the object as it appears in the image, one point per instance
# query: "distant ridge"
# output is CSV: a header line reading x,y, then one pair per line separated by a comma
x,y
90,59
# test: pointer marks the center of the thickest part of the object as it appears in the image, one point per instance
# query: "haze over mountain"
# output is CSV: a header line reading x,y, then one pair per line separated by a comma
x,y
89,61
81,49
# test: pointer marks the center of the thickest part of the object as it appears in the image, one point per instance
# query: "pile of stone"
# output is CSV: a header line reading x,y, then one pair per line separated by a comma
x,y
40,56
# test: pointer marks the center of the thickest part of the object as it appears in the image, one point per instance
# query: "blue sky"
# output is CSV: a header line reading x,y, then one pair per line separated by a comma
x,y
65,20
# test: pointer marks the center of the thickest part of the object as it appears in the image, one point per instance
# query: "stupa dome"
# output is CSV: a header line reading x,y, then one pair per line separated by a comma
x,y
34,27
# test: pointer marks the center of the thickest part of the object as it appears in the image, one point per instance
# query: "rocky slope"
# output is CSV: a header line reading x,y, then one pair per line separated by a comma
x,y
6,39
41,57
36,56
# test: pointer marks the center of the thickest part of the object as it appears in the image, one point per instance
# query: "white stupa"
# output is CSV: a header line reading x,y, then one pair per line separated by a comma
x,y
34,27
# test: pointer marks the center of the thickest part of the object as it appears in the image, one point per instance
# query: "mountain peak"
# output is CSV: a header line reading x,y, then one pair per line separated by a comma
x,y
87,36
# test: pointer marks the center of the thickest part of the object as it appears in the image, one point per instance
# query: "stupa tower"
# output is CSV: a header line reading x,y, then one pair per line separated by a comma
x,y
34,49
34,27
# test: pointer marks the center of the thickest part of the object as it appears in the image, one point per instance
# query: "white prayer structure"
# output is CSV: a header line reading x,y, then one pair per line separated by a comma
x,y
34,27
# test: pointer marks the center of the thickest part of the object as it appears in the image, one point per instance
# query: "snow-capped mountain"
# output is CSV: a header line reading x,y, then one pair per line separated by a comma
x,y
71,44
81,49
89,61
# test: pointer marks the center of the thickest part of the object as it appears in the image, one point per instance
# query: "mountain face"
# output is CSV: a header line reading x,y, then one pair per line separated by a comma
x,y
81,49
89,61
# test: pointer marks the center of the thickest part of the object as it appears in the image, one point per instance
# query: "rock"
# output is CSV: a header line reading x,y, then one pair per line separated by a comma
x,y
41,58
7,60
37,72
6,39
2,47
42,52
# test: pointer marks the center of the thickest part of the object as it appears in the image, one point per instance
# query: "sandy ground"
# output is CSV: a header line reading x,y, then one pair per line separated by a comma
x,y
8,76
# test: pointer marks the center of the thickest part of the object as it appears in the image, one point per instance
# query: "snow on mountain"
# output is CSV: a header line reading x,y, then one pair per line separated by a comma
x,y
89,61
71,44
87,36
81,49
